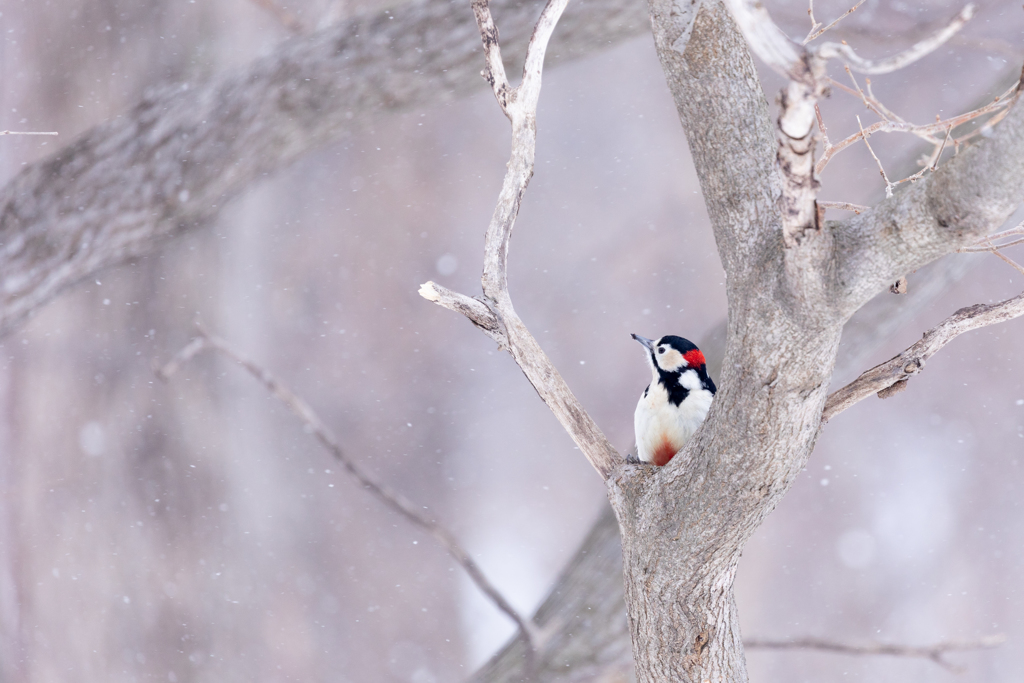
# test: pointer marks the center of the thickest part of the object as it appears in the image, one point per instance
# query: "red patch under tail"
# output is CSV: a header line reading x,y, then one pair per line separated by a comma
x,y
663,453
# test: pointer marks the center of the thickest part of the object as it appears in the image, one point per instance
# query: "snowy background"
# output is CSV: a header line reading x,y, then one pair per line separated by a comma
x,y
191,531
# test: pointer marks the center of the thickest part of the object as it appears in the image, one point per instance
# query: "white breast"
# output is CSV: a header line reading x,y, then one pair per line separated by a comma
x,y
662,429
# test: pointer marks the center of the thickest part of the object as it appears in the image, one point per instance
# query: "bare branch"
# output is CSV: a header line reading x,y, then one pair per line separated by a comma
x,y
935,653
391,498
905,58
786,56
912,361
1016,230
976,250
1013,264
888,185
988,243
17,132
494,72
805,69
968,197
871,95
815,24
500,320
863,98
925,131
814,34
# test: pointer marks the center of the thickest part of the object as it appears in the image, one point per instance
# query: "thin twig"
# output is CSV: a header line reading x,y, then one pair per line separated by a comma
x,y
391,498
494,313
1007,259
905,58
938,155
971,250
888,113
815,24
911,361
924,131
821,127
789,58
985,243
811,36
935,653
23,132
845,206
863,98
888,185
978,250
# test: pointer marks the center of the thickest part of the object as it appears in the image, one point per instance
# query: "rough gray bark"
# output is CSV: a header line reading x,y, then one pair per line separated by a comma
x,y
681,540
173,162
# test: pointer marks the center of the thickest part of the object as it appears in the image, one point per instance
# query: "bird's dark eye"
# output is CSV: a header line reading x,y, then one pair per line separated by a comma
x,y
661,349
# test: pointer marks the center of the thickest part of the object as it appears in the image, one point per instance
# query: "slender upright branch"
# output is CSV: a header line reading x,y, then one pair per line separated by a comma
x,y
500,321
896,371
817,31
391,498
881,169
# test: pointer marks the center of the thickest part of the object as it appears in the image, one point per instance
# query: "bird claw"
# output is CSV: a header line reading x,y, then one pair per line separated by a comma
x,y
633,460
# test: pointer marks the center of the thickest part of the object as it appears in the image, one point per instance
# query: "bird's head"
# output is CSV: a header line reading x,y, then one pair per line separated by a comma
x,y
672,354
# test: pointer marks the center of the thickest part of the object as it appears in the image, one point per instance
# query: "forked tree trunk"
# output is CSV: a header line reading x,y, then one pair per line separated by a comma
x,y
684,525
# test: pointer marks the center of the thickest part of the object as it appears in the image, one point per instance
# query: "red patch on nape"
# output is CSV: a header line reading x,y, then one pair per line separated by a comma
x,y
695,358
663,453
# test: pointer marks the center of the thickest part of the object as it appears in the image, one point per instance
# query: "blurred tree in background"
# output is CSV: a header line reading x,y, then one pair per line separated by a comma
x,y
192,531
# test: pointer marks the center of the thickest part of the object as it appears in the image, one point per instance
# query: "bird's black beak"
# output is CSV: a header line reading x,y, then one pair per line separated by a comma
x,y
649,343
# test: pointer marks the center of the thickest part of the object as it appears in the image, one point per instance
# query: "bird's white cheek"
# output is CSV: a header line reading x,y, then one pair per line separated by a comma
x,y
689,380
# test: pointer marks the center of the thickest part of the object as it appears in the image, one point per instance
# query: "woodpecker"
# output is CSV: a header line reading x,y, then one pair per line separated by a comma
x,y
675,402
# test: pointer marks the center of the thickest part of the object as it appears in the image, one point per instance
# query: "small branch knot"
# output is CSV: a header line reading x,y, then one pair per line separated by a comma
x,y
893,390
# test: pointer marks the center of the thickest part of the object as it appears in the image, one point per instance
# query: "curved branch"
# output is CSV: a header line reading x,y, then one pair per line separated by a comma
x,y
905,58
520,105
384,493
891,377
